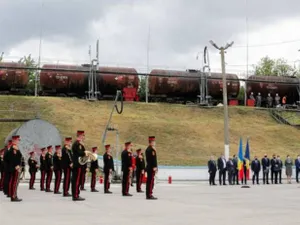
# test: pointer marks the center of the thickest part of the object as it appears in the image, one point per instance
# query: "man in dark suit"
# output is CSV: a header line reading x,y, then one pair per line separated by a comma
x,y
297,165
212,169
266,167
236,171
222,169
255,167
273,162
280,164
231,170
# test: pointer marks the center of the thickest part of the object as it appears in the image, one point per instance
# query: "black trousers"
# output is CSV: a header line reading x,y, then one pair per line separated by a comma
x,y
274,177
222,176
76,175
6,182
279,175
13,184
43,175
93,180
32,179
255,175
67,180
58,174
230,176
2,180
139,177
49,179
83,173
106,181
297,174
266,177
235,178
150,182
212,176
125,182
244,180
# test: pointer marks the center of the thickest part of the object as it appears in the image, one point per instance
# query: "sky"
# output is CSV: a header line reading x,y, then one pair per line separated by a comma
x,y
149,34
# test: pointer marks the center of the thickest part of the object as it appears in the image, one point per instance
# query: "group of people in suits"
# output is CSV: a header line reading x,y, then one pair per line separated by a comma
x,y
273,166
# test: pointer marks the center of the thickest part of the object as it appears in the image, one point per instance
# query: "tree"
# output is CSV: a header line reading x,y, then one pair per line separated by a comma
x,y
142,89
1,56
28,61
273,67
241,94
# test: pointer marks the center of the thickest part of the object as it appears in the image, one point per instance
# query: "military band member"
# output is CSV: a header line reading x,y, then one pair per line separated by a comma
x,y
2,174
94,169
67,165
43,168
14,158
212,169
151,159
84,169
49,168
33,167
140,169
57,167
266,167
108,168
78,150
7,173
126,168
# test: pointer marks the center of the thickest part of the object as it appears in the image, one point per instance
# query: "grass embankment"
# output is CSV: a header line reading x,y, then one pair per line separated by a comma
x,y
185,135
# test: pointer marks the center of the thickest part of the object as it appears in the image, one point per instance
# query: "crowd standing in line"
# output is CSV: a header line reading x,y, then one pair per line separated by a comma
x,y
272,167
270,101
65,162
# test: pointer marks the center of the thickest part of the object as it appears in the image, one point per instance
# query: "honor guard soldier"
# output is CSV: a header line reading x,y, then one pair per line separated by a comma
x,y
14,158
1,169
140,169
108,168
33,167
49,168
78,150
57,167
43,168
67,165
94,169
126,169
6,169
151,159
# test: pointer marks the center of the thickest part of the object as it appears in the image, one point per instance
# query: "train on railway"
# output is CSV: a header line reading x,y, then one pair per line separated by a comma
x,y
163,85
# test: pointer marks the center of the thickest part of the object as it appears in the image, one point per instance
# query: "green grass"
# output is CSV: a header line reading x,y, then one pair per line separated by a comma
x,y
185,135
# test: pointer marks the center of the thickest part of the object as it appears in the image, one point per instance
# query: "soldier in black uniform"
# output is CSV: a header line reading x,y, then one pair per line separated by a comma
x,y
57,167
140,169
108,168
43,168
212,169
255,167
67,165
78,150
151,159
1,169
33,167
266,167
94,167
14,158
49,168
126,168
7,173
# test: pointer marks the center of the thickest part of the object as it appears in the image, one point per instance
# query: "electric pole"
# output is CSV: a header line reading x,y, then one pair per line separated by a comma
x,y
226,129
147,77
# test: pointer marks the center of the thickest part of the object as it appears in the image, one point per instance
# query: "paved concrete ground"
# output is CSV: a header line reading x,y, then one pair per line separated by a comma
x,y
179,203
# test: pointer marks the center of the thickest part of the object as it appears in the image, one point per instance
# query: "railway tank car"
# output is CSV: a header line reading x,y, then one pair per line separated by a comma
x,y
111,79
274,84
178,87
64,83
13,80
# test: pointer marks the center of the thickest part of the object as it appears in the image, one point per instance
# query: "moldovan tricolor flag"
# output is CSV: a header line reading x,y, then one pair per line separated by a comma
x,y
240,160
247,159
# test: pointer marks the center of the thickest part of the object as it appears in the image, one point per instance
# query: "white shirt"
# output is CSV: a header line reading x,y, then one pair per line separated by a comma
x,y
224,163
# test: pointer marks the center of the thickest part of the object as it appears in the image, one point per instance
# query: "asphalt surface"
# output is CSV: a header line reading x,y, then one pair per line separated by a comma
x,y
178,203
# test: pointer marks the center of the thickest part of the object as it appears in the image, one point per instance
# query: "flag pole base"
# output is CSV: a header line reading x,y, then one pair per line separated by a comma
x,y
245,186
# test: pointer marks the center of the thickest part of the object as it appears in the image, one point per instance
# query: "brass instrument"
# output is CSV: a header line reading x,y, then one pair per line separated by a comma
x,y
89,157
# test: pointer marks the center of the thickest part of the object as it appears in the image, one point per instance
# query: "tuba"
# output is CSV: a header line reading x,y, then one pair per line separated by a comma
x,y
88,158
